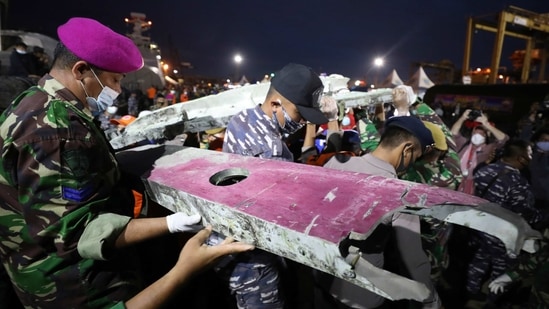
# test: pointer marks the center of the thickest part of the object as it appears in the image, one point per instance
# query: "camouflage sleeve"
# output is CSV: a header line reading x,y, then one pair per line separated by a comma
x,y
448,172
443,174
61,170
240,138
413,174
521,200
231,143
97,241
369,136
529,264
426,113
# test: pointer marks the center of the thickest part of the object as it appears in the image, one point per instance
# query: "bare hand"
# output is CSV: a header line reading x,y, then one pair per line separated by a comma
x,y
482,119
196,255
465,114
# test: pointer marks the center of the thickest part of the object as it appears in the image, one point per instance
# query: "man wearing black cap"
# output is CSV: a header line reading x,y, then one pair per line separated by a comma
x,y
293,98
404,140
65,217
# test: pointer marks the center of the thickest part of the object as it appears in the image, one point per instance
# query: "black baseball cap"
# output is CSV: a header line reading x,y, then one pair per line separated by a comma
x,y
300,85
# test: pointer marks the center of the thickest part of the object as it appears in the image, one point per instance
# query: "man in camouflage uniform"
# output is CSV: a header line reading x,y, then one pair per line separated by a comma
x,y
445,173
532,267
503,184
65,218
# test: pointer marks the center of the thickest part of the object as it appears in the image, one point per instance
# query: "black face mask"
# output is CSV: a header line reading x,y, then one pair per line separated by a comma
x,y
402,168
525,162
290,126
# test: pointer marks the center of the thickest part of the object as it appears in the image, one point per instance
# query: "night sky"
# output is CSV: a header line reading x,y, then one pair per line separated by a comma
x,y
331,36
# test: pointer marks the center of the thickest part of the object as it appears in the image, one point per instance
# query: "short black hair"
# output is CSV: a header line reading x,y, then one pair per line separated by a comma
x,y
515,148
393,136
63,58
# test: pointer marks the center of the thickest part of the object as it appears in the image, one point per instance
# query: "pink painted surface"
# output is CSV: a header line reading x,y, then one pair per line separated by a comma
x,y
321,202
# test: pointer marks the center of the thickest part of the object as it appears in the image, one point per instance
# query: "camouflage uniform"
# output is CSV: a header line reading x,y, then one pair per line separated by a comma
x,y
252,133
369,135
445,174
57,177
254,276
535,266
504,185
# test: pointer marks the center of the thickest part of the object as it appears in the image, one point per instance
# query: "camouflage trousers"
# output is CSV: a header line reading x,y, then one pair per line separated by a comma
x,y
489,259
434,239
255,280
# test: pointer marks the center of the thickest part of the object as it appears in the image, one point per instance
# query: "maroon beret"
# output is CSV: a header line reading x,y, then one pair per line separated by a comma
x,y
97,44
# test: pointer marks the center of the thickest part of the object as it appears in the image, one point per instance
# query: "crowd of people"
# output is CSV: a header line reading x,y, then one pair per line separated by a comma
x,y
68,224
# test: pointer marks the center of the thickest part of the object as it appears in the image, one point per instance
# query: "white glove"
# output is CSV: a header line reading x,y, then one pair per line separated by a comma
x,y
180,222
530,245
498,285
328,106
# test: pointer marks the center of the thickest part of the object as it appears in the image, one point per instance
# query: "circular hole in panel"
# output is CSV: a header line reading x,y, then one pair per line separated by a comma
x,y
229,176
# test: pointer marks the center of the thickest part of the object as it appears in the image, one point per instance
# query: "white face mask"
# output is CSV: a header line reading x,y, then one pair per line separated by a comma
x,y
105,98
478,139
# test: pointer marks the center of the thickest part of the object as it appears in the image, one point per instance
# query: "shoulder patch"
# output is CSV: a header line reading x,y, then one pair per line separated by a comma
x,y
77,195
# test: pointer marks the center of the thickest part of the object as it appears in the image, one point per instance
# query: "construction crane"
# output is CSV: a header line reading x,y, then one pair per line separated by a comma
x,y
514,22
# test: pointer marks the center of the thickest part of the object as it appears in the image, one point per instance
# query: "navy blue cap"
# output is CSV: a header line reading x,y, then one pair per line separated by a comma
x,y
301,86
414,126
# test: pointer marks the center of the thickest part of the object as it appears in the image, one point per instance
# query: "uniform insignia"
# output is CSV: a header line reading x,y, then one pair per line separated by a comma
x,y
77,195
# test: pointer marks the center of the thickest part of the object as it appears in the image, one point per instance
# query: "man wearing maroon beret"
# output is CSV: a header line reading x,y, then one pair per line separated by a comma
x,y
64,216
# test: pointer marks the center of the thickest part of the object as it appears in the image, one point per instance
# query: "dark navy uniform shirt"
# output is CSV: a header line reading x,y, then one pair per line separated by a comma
x,y
252,133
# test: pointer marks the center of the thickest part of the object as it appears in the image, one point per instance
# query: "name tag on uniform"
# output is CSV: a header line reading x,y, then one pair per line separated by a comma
x,y
77,195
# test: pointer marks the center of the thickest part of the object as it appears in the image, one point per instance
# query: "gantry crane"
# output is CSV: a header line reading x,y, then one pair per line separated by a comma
x,y
513,22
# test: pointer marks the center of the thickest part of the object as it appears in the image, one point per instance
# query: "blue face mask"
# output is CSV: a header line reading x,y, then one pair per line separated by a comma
x,y
290,126
105,98
543,146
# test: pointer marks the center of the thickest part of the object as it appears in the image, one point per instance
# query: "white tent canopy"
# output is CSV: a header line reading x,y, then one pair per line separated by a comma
x,y
392,80
420,81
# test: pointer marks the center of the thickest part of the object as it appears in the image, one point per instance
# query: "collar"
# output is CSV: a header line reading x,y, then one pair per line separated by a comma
x,y
58,91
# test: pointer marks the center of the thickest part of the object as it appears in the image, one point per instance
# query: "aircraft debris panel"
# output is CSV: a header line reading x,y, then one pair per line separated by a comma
x,y
305,213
